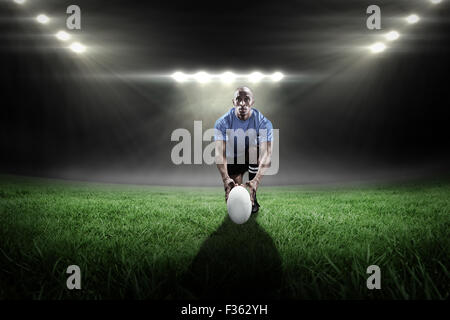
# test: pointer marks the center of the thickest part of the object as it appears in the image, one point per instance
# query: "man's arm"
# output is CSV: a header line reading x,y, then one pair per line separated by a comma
x,y
265,155
221,162
264,160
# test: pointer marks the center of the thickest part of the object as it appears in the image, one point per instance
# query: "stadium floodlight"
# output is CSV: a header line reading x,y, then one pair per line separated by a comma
x,y
255,77
62,35
413,18
42,18
392,35
202,77
277,76
179,76
377,47
19,1
228,77
77,47
436,1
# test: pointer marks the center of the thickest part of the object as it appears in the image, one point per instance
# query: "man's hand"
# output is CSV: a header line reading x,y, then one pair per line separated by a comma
x,y
228,184
253,185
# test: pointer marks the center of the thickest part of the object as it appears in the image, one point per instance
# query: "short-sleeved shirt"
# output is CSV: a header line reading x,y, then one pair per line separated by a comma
x,y
256,123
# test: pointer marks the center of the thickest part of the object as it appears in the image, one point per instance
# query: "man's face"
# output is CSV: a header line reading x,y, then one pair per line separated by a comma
x,y
243,102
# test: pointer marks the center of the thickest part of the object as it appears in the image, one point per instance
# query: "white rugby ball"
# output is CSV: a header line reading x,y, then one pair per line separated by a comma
x,y
239,205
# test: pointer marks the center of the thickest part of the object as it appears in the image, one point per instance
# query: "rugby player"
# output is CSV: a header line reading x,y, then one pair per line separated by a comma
x,y
232,159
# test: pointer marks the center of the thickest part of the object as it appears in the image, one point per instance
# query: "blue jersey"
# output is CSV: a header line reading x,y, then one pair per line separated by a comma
x,y
229,123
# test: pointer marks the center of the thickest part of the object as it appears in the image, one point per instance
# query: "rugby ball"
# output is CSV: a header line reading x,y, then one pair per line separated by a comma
x,y
239,205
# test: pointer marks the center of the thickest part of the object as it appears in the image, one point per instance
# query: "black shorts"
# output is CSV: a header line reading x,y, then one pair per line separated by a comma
x,y
241,168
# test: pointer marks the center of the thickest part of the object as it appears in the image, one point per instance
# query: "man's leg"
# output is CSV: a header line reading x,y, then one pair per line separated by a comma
x,y
235,171
253,159
252,170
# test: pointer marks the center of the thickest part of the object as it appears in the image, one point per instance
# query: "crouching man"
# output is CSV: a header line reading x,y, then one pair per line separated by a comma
x,y
235,156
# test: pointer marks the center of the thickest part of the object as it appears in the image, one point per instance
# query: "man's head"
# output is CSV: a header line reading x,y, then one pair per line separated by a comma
x,y
243,101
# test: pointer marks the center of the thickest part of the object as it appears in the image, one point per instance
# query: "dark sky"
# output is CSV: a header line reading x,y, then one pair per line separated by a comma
x,y
352,116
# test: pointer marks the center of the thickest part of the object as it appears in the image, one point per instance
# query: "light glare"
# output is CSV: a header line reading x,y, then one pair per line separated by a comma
x,y
42,18
436,1
414,18
255,77
277,76
227,77
179,76
63,36
77,47
393,35
377,47
202,77
19,1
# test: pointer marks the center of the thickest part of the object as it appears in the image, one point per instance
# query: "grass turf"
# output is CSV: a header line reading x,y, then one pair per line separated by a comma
x,y
148,242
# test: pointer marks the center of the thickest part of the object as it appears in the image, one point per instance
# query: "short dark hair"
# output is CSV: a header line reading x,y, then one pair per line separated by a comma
x,y
246,89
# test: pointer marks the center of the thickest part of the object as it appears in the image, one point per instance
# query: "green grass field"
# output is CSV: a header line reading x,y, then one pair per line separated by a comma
x,y
149,242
